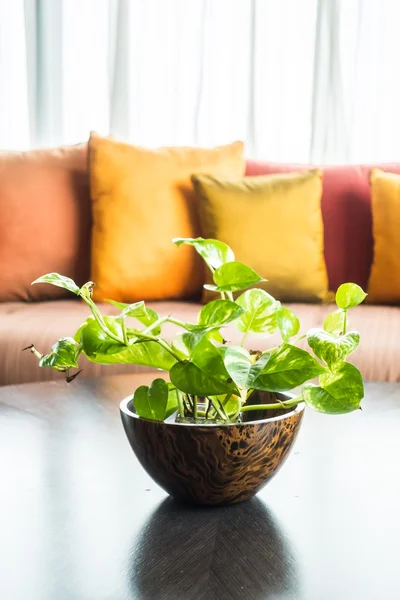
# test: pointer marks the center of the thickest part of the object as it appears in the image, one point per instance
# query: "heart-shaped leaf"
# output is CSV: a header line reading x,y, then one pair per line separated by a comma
x,y
260,315
237,362
233,277
95,341
287,367
151,402
338,393
59,281
288,323
334,322
332,351
349,295
240,367
209,360
219,312
63,355
188,378
213,252
102,349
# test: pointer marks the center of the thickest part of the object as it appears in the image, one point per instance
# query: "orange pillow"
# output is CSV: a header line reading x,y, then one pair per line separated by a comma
x,y
142,199
384,282
45,220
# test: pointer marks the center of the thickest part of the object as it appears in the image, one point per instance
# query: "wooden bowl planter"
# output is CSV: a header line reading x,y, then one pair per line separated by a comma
x,y
217,463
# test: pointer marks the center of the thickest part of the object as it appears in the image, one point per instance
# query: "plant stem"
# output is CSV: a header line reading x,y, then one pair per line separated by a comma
x,y
208,406
35,352
284,404
157,323
217,409
345,322
244,338
195,408
124,332
180,404
177,322
226,399
230,295
153,338
223,409
99,318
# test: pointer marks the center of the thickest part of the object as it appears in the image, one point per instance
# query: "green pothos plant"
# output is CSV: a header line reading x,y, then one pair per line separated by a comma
x,y
210,379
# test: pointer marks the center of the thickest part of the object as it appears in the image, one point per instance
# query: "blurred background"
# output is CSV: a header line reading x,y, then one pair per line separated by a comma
x,y
310,80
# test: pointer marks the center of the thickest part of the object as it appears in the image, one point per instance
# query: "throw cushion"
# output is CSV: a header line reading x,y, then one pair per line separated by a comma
x,y
273,224
44,220
346,212
141,200
384,283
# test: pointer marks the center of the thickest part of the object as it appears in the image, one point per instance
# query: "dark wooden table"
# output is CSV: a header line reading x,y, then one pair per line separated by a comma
x,y
81,520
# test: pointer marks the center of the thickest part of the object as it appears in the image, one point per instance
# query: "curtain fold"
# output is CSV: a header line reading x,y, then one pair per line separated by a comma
x,y
297,81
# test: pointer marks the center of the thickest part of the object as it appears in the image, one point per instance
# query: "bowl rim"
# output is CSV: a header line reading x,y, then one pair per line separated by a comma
x,y
124,408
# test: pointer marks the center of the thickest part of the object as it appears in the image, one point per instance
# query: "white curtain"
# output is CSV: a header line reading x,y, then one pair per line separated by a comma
x,y
309,80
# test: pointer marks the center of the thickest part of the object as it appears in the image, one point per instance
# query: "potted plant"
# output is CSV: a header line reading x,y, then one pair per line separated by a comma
x,y
223,423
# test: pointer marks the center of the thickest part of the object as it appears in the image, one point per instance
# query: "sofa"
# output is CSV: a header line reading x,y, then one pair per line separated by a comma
x,y
45,226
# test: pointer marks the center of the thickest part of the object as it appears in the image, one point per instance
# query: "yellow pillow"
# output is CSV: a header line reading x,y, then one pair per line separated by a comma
x,y
274,224
141,200
384,282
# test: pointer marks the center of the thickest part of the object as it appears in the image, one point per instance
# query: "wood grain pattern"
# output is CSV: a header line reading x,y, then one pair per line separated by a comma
x,y
81,520
203,556
212,464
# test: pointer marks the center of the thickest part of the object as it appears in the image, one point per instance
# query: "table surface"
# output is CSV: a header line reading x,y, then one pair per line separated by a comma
x,y
81,520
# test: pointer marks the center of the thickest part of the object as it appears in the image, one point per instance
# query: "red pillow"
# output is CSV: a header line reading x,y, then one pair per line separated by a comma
x,y
346,212
45,217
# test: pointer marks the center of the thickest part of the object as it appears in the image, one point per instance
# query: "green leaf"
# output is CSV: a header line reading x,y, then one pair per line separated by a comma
x,y
219,312
150,354
63,355
188,378
179,345
96,342
196,333
288,323
209,360
333,351
78,334
338,393
233,277
151,402
213,252
138,310
59,281
216,336
260,315
287,367
100,348
240,367
334,322
231,405
172,404
349,295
